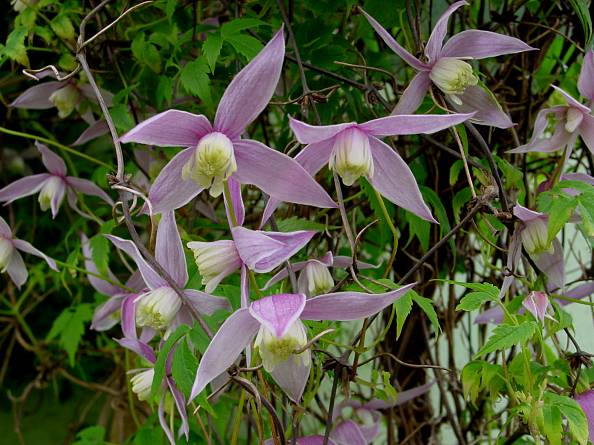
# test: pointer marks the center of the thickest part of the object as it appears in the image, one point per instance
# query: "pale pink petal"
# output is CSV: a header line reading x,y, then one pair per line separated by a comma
x,y
586,129
20,188
348,433
103,318
402,124
488,111
170,191
477,44
433,49
225,347
552,265
54,163
163,421
394,45
571,101
205,303
180,404
393,179
172,128
537,303
284,273
93,131
128,308
138,347
586,401
537,141
251,89
16,269
89,92
290,181
586,79
291,375
57,198
346,306
87,187
310,134
26,247
5,230
413,95
492,315
100,285
37,97
237,203
169,251
278,312
526,215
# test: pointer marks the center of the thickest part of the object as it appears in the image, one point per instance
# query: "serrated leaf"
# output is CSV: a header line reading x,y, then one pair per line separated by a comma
x,y
245,44
474,300
195,80
146,53
212,48
183,368
235,26
69,327
62,26
426,305
561,209
403,306
571,410
100,253
552,424
506,335
15,46
162,357
164,91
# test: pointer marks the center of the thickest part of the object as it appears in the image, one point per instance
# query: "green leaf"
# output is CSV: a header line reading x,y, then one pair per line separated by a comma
x,y
455,170
426,305
195,80
233,27
403,306
474,300
552,424
164,92
183,368
506,335
122,118
15,46
561,209
576,419
162,357
212,48
146,53
93,435
69,326
100,253
581,9
295,223
245,44
62,26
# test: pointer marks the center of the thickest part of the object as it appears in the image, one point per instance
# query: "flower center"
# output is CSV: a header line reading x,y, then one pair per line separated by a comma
x,y
157,308
351,156
275,350
535,237
573,118
49,191
65,99
215,259
213,162
6,249
452,76
141,384
316,279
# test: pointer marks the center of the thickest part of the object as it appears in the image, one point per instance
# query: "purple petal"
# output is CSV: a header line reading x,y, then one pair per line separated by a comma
x,y
5,230
348,433
58,197
513,259
581,291
346,261
251,89
205,303
16,269
232,337
163,421
537,303
180,404
488,111
526,215
89,92
571,101
394,45
481,44
172,128
310,134
538,142
402,397
491,315
552,265
400,124
138,347
278,312
347,306
54,163
169,251
37,97
150,277
128,308
587,131
312,158
290,183
103,318
87,187
170,191
100,285
26,247
413,95
586,401
93,131
20,188
586,79
237,202
393,179
284,273
244,291
434,44
291,375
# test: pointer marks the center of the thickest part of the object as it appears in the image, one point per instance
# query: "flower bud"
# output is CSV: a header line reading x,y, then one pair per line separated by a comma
x,y
535,237
213,162
142,382
573,119
157,308
65,99
52,186
6,250
215,260
537,303
452,76
351,156
274,350
315,279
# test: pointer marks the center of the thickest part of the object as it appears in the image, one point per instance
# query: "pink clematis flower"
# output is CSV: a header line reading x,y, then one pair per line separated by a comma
x,y
217,152
572,120
314,277
11,260
537,303
355,150
161,307
445,67
53,186
586,401
276,322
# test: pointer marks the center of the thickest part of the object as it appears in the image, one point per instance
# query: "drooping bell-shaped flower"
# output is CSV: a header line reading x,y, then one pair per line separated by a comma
x,y
281,336
141,384
537,303
356,150
216,151
446,66
161,307
53,186
215,260
65,99
535,236
11,260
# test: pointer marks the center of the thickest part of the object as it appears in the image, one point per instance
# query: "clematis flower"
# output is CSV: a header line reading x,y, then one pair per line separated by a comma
x,y
105,316
11,260
314,277
276,322
217,152
355,150
537,303
446,67
142,381
161,307
52,186
586,401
